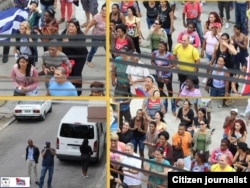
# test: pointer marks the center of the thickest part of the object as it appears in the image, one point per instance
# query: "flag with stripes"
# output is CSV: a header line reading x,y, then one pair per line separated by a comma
x,y
10,20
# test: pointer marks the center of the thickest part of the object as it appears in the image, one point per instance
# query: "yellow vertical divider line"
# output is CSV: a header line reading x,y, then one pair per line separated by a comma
x,y
107,94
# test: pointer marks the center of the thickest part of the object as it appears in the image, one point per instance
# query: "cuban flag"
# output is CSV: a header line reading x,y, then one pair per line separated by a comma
x,y
141,93
246,87
10,20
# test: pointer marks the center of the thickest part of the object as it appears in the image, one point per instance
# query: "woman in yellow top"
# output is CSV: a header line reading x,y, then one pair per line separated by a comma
x,y
133,27
160,122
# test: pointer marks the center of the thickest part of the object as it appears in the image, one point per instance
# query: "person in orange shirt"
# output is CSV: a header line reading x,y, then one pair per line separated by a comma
x,y
183,139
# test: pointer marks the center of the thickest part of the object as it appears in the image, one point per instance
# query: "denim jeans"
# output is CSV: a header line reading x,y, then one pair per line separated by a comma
x,y
138,141
94,49
43,173
217,92
240,15
150,22
173,106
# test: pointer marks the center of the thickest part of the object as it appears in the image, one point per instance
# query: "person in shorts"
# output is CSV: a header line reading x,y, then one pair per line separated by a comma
x,y
89,7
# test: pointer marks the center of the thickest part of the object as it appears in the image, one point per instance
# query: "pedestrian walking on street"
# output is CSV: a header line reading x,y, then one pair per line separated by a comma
x,y
48,155
76,53
32,156
99,28
86,152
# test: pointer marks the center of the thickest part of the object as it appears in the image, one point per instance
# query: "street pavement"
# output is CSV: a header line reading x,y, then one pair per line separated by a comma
x,y
13,141
98,73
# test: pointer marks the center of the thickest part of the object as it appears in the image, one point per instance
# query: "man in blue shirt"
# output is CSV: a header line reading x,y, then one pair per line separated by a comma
x,y
59,85
48,155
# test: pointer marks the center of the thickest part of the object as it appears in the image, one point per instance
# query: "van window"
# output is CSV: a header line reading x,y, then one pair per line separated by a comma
x,y
77,131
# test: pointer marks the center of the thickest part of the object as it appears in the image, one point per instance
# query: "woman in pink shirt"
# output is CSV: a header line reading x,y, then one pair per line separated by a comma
x,y
25,77
99,24
194,38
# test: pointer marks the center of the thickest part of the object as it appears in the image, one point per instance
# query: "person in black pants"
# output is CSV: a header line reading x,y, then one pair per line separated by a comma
x,y
86,152
6,50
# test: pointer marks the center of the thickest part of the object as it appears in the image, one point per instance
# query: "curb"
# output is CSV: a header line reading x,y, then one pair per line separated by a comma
x,y
2,103
11,120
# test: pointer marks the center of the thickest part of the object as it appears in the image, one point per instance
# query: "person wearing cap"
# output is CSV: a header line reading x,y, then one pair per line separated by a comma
x,y
48,154
77,53
237,133
97,89
119,78
25,77
229,121
32,157
223,149
211,38
136,73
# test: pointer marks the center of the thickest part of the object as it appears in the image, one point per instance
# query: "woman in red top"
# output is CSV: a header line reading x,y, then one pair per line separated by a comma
x,y
163,138
50,26
122,40
213,17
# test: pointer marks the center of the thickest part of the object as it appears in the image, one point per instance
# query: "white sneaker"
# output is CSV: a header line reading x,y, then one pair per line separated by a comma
x,y
204,80
227,25
242,114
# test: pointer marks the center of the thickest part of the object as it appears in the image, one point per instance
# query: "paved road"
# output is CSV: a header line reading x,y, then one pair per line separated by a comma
x,y
89,74
13,141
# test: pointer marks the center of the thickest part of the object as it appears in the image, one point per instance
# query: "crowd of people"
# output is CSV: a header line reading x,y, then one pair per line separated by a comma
x,y
148,138
226,55
39,24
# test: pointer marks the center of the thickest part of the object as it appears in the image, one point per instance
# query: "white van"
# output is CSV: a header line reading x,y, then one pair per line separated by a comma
x,y
73,128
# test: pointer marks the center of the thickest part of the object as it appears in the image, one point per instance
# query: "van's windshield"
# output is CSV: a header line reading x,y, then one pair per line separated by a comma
x,y
77,131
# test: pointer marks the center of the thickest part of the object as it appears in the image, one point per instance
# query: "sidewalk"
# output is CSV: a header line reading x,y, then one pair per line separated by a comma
x,y
6,113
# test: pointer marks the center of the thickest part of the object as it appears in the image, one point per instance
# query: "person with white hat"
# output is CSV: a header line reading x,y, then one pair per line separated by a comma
x,y
136,73
229,121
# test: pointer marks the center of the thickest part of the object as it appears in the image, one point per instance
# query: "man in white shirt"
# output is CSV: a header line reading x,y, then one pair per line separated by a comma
x,y
132,177
136,73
